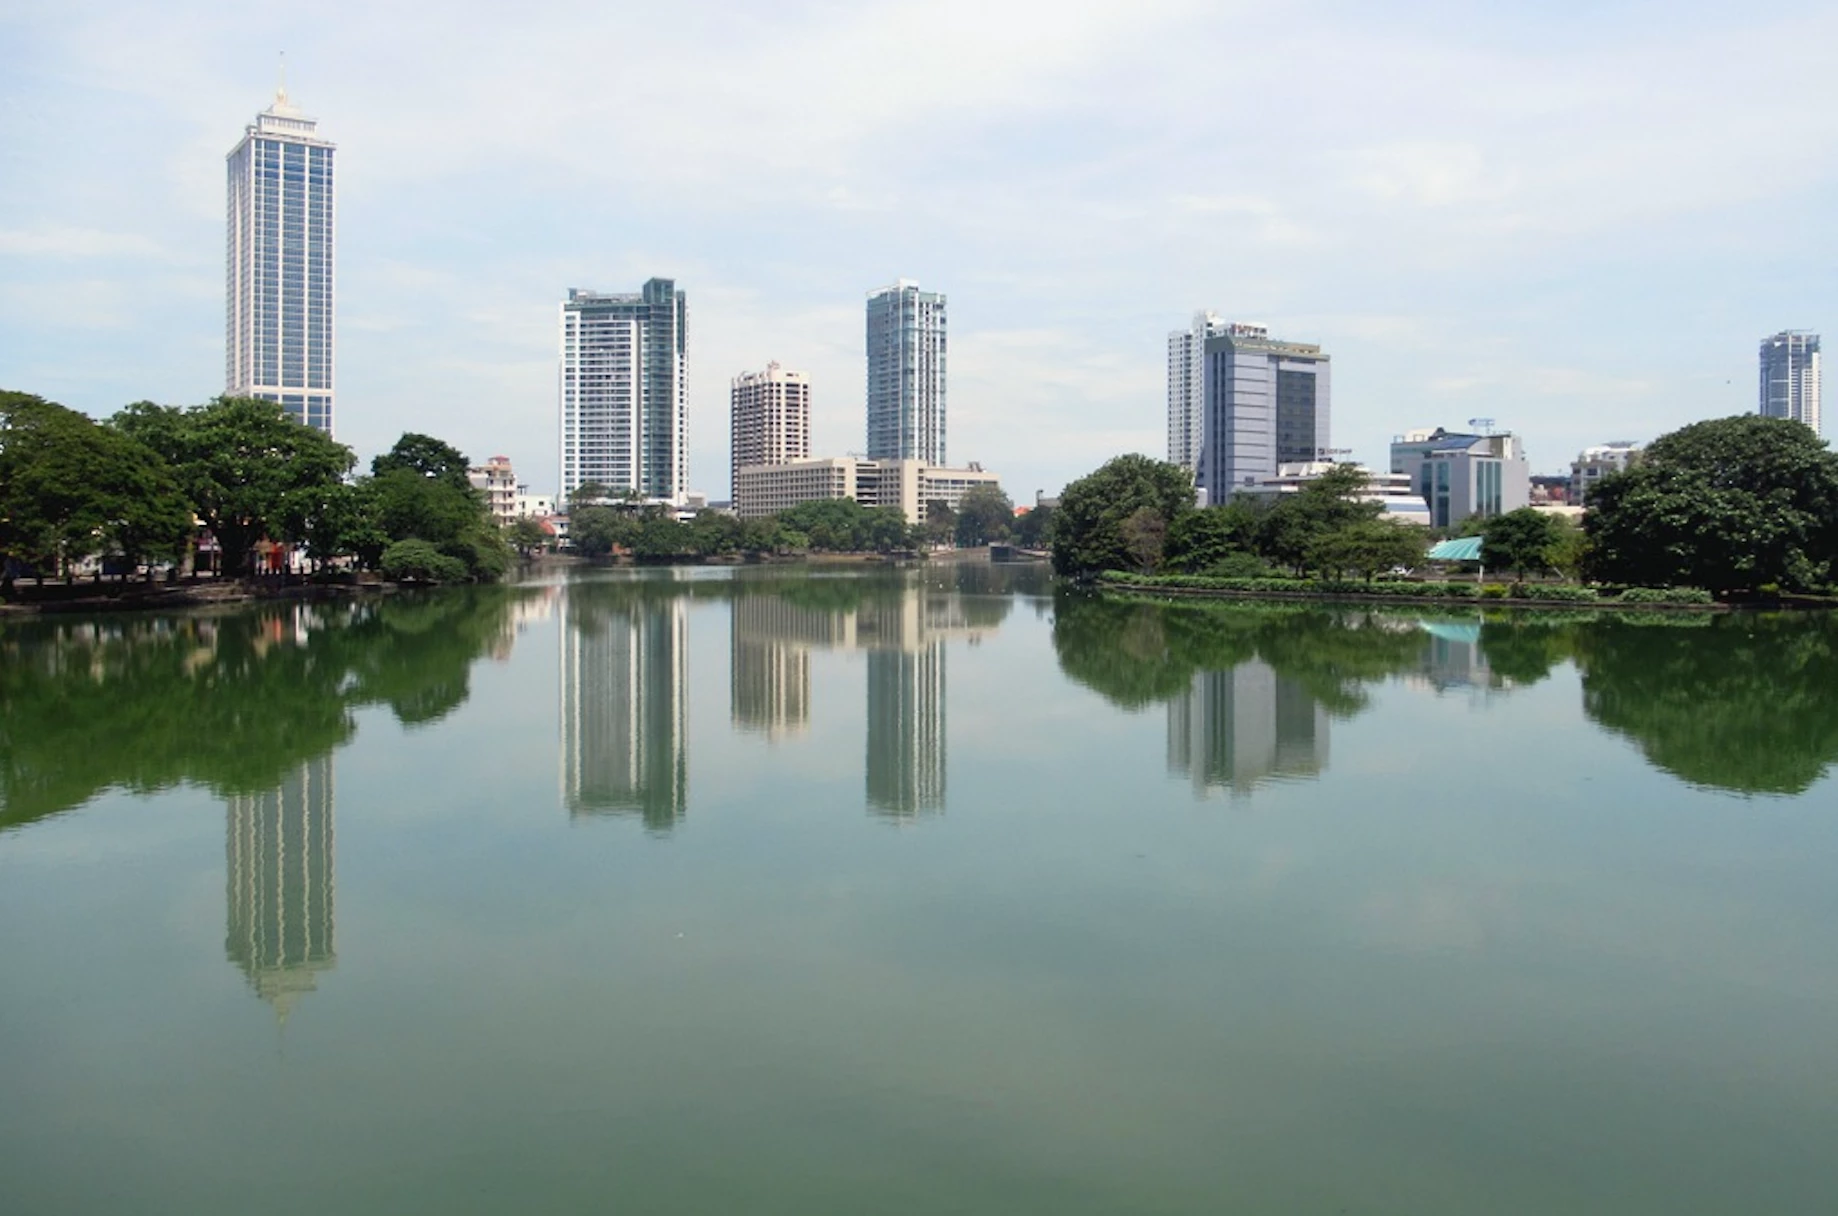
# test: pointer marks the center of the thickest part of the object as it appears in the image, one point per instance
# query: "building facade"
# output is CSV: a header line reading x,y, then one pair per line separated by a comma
x,y
1462,475
624,401
1187,389
495,480
911,485
1267,404
1790,377
769,419
906,374
1593,464
1394,491
280,295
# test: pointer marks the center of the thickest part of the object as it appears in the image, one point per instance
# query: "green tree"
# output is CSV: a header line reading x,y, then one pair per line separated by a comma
x,y
527,536
70,488
417,561
239,462
1144,534
1033,529
984,516
1521,541
1731,504
1199,540
598,531
1088,529
1367,547
1569,553
1294,526
425,456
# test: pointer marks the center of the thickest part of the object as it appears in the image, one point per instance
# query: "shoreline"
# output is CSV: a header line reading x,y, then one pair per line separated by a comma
x,y
1437,601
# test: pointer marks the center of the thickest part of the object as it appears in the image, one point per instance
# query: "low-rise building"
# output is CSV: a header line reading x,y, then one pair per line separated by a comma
x,y
1593,464
495,480
1394,491
911,485
1461,474
534,504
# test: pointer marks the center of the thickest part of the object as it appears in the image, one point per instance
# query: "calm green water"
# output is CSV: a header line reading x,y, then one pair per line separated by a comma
x,y
717,893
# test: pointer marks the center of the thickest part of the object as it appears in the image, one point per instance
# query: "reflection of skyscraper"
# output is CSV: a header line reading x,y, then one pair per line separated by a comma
x,y
1241,728
280,884
906,730
770,687
623,710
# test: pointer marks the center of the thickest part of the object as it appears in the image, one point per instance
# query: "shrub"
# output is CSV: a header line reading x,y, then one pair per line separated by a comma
x,y
416,561
1556,592
1494,591
1665,595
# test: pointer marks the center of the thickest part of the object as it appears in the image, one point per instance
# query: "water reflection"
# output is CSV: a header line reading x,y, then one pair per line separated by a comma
x,y
623,705
903,624
1235,730
279,880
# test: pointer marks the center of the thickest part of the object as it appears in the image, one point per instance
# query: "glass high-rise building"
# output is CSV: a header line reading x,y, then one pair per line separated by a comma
x,y
1267,404
280,295
1790,377
624,396
1187,389
906,374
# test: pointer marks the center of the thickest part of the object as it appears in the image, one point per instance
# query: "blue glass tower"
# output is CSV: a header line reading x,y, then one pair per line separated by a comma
x,y
279,342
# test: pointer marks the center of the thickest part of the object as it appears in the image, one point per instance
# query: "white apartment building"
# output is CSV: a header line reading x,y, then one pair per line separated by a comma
x,y
1402,503
1593,464
498,484
1187,389
769,418
279,294
1790,377
624,399
911,485
906,374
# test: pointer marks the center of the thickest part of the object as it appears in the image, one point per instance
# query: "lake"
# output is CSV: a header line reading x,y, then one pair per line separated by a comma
x,y
915,891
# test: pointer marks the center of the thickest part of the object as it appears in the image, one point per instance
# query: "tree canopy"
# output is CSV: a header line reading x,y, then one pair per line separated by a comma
x,y
241,465
984,516
424,456
1521,540
70,488
1089,528
1730,504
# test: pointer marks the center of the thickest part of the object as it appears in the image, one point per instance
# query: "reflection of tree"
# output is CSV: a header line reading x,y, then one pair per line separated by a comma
x,y
1136,654
231,701
1524,650
1747,704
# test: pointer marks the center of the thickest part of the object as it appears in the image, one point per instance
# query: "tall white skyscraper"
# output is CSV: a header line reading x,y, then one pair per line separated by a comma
x,y
1266,404
1187,389
770,419
1790,377
623,391
906,374
279,322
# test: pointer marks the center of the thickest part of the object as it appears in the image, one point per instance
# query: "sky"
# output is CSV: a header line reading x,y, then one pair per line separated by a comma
x,y
1577,220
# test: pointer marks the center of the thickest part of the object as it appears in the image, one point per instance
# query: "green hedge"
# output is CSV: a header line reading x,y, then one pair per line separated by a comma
x,y
1560,593
1305,586
1665,595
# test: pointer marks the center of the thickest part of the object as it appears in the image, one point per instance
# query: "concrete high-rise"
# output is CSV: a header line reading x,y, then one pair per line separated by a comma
x,y
1267,404
769,420
1790,377
623,391
279,339
906,374
1187,389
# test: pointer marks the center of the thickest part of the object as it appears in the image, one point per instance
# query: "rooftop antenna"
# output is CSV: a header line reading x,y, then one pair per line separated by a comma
x,y
280,90
1484,425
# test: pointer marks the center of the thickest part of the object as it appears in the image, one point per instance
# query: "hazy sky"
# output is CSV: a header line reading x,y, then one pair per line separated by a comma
x,y
1576,219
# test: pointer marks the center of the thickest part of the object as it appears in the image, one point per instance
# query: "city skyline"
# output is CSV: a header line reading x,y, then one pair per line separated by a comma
x,y
1498,261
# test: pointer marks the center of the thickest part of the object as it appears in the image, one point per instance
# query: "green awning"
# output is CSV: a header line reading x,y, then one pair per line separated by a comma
x,y
1461,549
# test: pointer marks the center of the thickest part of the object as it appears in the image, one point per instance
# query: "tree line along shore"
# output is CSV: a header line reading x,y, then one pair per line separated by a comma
x,y
1728,510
